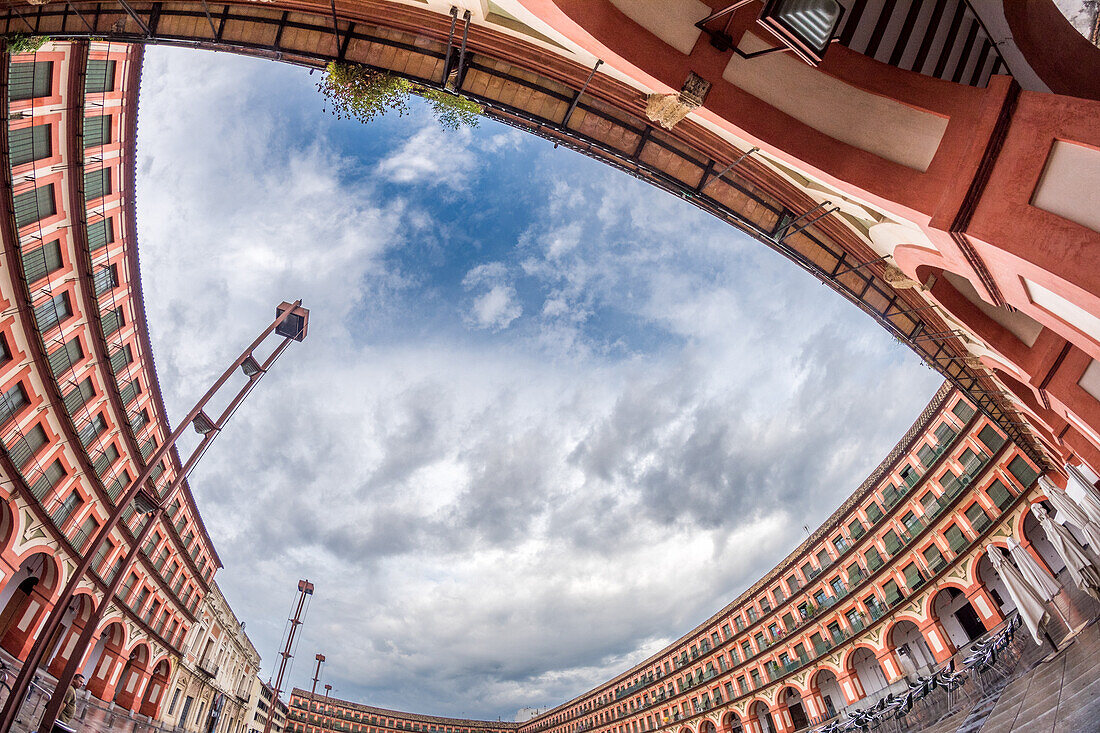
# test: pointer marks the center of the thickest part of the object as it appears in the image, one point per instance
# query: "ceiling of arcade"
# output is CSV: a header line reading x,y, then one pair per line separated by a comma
x,y
528,76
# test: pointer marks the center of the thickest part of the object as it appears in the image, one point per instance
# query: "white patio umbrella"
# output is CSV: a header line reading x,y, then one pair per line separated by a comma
x,y
1027,600
1080,567
1036,575
1089,501
1071,511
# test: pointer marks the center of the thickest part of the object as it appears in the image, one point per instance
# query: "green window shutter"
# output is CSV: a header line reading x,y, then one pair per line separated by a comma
x,y
30,80
955,538
28,144
944,433
79,396
1000,495
97,183
65,357
41,261
35,205
991,438
100,234
1022,471
893,543
97,130
874,512
874,559
963,410
979,520
100,77
48,480
148,447
52,312
25,446
129,392
934,557
121,358
112,321
91,429
105,279
927,455
105,459
855,527
892,592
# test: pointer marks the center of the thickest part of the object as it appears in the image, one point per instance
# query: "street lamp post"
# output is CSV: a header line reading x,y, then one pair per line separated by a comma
x,y
324,720
290,323
316,676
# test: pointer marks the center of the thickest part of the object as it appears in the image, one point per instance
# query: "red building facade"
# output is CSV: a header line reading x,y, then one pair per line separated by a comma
x,y
895,581
81,404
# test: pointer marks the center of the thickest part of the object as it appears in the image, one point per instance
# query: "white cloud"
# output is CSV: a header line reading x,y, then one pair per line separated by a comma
x,y
490,523
433,156
497,308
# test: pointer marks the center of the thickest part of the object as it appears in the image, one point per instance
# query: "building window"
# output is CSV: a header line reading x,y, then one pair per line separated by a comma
x,y
12,402
926,455
112,321
873,558
41,261
97,130
944,433
52,312
49,479
92,429
28,144
100,77
100,233
979,520
121,358
34,205
1022,471
874,512
1000,495
29,80
934,558
78,396
97,183
25,447
963,411
106,278
65,357
856,529
956,540
991,438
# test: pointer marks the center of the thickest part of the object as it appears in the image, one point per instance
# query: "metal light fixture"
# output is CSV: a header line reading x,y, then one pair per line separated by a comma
x,y
807,27
294,325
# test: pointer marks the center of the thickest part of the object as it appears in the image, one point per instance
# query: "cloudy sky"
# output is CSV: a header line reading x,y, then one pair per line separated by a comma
x,y
547,418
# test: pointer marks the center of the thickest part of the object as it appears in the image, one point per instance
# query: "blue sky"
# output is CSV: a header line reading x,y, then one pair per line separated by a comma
x,y
547,419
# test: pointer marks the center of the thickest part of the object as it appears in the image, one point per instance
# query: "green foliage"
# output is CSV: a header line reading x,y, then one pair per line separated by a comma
x,y
20,43
357,92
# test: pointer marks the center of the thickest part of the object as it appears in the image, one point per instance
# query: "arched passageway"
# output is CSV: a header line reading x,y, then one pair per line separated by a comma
x,y
76,615
959,619
154,691
133,673
760,717
707,727
863,663
103,659
732,724
911,647
24,600
825,686
792,699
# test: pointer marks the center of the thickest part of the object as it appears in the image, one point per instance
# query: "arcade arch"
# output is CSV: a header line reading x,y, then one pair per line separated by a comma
x,y
910,646
824,685
791,698
863,663
24,599
761,715
960,621
101,662
133,673
731,723
77,613
154,690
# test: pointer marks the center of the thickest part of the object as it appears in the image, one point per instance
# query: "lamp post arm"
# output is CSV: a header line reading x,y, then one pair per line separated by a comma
x,y
49,714
34,657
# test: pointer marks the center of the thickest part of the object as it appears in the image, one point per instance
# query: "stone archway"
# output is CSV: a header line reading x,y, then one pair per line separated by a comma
x,y
133,672
912,649
989,578
825,686
104,658
154,691
863,663
761,718
959,619
80,609
24,600
792,700
731,723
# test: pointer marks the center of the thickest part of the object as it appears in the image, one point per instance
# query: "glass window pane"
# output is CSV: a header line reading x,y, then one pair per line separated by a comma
x,y
41,261
29,143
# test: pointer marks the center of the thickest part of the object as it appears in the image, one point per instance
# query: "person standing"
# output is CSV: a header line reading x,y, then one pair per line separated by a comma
x,y
68,706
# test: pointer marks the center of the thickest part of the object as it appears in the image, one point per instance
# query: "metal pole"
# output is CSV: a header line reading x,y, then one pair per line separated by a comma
x,y
316,676
324,720
26,674
49,715
305,588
